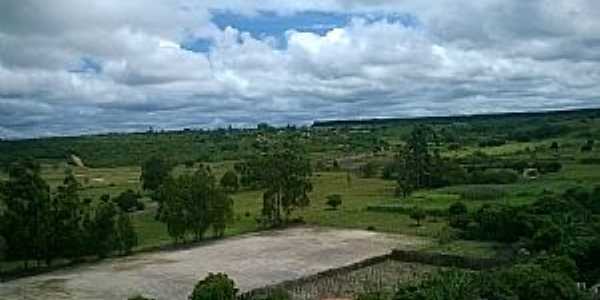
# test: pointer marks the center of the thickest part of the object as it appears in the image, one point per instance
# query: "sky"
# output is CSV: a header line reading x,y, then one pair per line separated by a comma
x,y
71,67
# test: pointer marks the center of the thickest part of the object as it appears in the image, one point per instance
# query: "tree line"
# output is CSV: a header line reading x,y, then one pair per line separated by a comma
x,y
42,225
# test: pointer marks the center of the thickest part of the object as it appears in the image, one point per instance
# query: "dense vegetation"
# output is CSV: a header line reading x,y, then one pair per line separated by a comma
x,y
42,225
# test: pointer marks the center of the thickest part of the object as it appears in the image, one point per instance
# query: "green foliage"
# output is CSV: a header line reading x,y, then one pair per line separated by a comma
x,y
154,172
334,200
417,214
129,201
372,295
525,281
448,285
276,294
101,228
531,281
458,215
415,167
214,287
479,192
547,238
494,176
501,223
369,169
192,203
285,175
230,181
26,210
57,225
126,238
139,297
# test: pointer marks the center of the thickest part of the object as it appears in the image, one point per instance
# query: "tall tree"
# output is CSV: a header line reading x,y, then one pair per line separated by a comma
x,y
230,181
102,231
126,238
285,175
192,203
27,205
154,172
64,230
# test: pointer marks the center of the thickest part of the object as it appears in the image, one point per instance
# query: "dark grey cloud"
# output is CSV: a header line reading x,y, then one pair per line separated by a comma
x,y
74,67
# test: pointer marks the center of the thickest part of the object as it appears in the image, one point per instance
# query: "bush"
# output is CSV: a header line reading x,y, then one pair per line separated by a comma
x,y
417,214
369,170
492,143
334,200
531,281
276,294
547,238
458,216
230,181
479,192
214,287
139,297
494,176
128,201
548,167
501,223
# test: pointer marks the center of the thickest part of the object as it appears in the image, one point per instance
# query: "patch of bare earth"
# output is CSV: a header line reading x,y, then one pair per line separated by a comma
x,y
253,260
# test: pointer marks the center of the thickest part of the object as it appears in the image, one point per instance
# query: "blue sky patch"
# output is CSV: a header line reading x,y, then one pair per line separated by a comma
x,y
88,65
270,24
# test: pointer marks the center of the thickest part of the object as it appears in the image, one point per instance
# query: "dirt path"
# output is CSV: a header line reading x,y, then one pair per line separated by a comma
x,y
253,260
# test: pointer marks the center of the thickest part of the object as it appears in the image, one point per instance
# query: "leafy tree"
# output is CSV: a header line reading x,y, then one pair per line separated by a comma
x,y
334,200
531,281
101,227
230,181
154,172
502,223
172,206
548,238
25,216
369,169
128,201
193,203
458,215
3,248
214,287
126,237
67,211
554,147
417,214
447,285
285,174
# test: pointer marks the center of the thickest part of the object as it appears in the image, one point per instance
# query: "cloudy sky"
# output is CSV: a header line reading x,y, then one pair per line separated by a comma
x,y
71,67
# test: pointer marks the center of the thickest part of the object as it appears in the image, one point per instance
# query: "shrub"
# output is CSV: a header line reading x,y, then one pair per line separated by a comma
x,y
479,192
547,238
139,297
230,181
494,176
369,170
334,200
214,287
501,223
276,294
458,215
492,143
548,167
417,214
128,201
531,281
